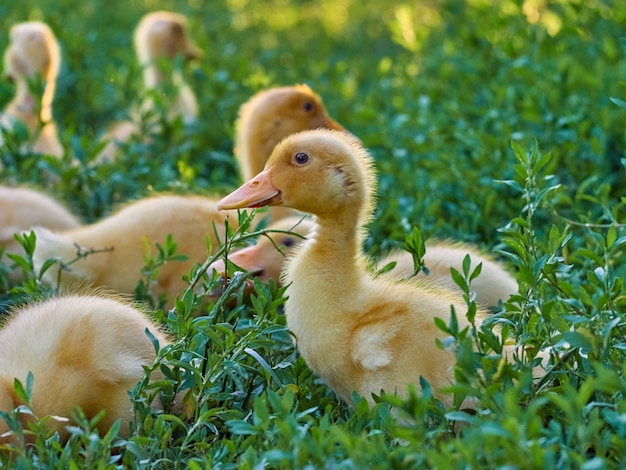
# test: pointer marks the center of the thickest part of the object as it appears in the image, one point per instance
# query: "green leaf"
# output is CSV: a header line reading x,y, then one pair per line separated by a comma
x,y
466,265
459,416
578,340
241,428
264,364
477,270
618,102
519,152
459,280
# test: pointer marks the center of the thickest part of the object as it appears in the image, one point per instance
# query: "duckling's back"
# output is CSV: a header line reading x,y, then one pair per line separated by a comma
x,y
127,237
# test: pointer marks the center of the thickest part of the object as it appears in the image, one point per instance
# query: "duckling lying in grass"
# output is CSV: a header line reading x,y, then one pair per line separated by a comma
x,y
85,351
358,331
160,36
33,50
126,239
22,208
267,258
494,283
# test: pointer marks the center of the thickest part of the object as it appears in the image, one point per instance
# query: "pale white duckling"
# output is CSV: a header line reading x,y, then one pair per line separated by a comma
x,y
494,283
22,208
159,36
267,258
129,236
358,332
270,116
165,35
33,50
84,350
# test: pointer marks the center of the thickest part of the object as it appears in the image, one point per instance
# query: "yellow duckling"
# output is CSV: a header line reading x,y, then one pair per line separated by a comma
x,y
159,36
266,259
33,50
357,331
84,350
164,35
23,208
270,116
129,236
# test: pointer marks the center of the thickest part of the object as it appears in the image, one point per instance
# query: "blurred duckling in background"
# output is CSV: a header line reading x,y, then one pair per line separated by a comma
x,y
270,116
164,35
33,50
267,258
357,331
160,37
121,244
494,283
85,351
22,208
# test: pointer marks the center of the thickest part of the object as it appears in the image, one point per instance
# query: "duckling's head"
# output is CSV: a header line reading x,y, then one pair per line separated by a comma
x,y
33,49
164,34
265,259
270,116
323,172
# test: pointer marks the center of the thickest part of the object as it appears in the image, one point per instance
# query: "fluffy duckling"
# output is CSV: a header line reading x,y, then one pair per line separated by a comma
x,y
493,284
33,50
22,208
84,350
265,260
357,331
270,116
159,36
129,236
164,35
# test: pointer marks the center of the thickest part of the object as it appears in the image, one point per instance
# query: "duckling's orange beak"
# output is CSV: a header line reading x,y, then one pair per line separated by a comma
x,y
258,192
246,258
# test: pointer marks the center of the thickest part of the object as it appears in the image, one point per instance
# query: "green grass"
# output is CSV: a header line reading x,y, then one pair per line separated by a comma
x,y
485,127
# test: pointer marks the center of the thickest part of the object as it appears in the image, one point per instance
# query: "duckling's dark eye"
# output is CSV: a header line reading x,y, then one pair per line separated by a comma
x,y
301,158
289,242
308,106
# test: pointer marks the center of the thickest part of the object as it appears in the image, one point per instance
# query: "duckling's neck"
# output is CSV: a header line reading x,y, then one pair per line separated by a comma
x,y
24,105
152,76
184,102
251,162
23,101
337,249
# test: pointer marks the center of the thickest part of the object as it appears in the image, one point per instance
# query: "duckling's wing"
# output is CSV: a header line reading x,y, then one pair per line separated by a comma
x,y
372,346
